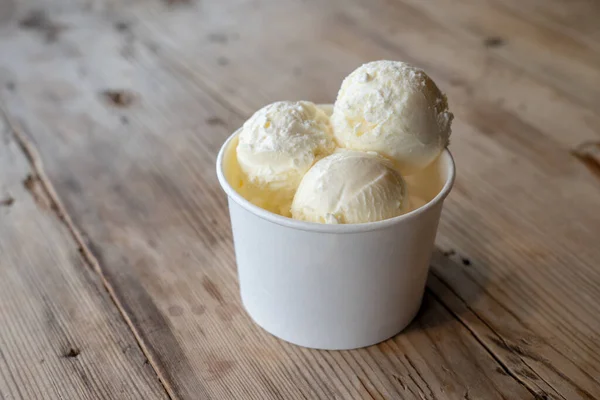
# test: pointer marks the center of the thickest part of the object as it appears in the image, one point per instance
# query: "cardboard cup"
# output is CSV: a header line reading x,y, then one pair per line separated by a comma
x,y
333,286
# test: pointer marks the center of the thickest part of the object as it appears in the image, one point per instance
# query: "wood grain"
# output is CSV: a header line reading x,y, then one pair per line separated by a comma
x,y
566,63
61,336
129,105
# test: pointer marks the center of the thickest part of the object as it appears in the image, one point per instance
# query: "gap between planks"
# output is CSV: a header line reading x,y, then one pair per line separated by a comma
x,y
58,208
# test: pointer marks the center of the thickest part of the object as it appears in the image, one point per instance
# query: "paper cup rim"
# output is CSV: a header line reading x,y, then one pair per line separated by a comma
x,y
331,228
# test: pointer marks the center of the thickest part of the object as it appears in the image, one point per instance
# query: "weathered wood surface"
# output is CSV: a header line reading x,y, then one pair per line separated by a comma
x,y
60,334
127,104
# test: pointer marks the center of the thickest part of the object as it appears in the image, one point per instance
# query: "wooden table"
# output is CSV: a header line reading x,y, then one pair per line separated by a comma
x,y
117,272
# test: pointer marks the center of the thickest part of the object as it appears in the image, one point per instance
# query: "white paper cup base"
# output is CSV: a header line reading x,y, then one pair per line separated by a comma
x,y
333,286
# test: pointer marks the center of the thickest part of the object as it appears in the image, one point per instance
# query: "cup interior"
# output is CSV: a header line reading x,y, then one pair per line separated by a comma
x,y
435,183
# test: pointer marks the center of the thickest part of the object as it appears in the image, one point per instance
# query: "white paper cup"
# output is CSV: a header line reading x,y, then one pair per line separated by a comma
x,y
333,286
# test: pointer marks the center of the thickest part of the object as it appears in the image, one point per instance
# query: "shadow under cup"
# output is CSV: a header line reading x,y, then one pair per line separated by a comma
x,y
335,286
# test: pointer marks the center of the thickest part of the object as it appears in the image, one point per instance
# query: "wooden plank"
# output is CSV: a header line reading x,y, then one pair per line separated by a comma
x,y
577,19
61,337
568,64
138,180
514,232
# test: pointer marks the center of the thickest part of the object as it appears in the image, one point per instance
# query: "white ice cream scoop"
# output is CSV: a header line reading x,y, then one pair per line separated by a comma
x,y
350,187
277,145
394,109
282,140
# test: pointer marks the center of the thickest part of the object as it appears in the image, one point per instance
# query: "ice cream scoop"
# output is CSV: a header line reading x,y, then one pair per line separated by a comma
x,y
350,187
394,109
277,145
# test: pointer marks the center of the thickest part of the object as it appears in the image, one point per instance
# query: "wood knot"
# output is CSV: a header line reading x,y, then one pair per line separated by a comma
x,y
449,253
7,201
72,353
216,37
219,368
118,98
35,187
122,26
38,21
588,153
493,42
222,61
212,121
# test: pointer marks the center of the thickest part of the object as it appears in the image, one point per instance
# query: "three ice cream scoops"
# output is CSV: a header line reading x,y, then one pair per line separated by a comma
x,y
389,122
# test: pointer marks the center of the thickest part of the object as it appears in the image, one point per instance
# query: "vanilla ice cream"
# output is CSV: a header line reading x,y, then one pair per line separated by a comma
x,y
277,145
394,109
350,187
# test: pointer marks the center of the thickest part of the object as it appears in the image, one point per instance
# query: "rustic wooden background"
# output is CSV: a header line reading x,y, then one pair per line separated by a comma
x,y
117,273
